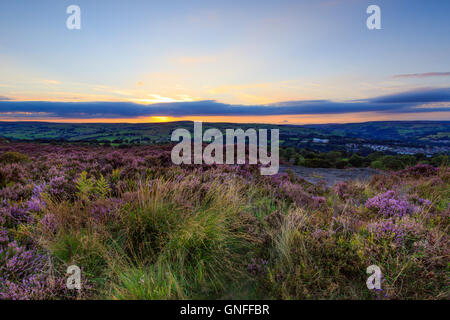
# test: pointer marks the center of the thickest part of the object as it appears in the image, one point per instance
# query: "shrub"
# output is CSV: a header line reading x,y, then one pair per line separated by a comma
x,y
142,228
377,164
349,190
317,163
390,204
13,157
356,160
419,171
392,163
342,164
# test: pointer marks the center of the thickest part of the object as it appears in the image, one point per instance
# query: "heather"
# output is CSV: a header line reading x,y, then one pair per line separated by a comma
x,y
140,227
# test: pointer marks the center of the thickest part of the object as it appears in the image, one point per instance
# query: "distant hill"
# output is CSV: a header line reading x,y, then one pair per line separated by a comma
x,y
412,132
389,130
120,132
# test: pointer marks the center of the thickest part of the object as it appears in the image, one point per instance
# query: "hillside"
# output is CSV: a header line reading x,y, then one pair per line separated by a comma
x,y
140,227
418,132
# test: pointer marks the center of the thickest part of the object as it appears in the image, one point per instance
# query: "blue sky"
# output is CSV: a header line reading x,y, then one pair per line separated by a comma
x,y
206,54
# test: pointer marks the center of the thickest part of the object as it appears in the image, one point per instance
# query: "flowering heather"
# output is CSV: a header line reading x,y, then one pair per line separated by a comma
x,y
3,235
387,230
17,261
14,213
56,185
103,210
390,204
343,190
419,171
50,222
425,202
298,195
32,287
23,273
36,203
12,173
397,231
16,192
350,191
140,227
279,178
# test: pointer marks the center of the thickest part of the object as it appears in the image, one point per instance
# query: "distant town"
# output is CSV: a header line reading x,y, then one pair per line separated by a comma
x,y
428,150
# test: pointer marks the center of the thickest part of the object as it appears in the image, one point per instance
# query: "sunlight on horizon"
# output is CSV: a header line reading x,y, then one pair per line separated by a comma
x,y
356,117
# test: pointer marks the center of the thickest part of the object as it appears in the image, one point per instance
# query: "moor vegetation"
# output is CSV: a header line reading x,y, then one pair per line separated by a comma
x,y
343,159
140,227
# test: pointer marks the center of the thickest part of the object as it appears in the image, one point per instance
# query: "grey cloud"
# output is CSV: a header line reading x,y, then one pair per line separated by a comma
x,y
423,75
404,102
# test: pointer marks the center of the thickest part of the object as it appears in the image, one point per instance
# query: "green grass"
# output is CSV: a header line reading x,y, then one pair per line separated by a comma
x,y
183,235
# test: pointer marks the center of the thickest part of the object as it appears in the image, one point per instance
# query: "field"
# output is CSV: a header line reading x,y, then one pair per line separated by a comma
x,y
140,227
414,132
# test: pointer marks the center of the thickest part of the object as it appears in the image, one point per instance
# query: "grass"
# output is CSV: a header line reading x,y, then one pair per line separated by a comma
x,y
177,248
220,233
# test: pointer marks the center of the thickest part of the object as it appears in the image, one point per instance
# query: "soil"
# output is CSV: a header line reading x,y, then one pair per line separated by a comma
x,y
330,175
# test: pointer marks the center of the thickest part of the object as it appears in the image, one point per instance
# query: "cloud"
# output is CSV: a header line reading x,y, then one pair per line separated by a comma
x,y
2,98
416,96
423,75
50,82
404,102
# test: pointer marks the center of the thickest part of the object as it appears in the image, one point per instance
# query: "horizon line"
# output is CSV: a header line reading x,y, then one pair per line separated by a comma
x,y
217,122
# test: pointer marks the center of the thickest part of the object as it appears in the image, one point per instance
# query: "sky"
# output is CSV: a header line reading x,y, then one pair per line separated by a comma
x,y
262,61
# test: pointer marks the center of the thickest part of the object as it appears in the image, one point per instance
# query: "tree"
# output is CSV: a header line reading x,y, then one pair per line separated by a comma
x,y
392,163
356,160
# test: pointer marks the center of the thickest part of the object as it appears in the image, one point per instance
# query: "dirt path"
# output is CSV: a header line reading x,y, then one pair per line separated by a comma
x,y
329,175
